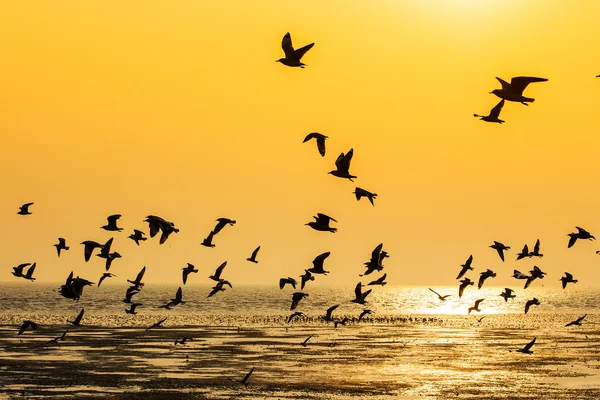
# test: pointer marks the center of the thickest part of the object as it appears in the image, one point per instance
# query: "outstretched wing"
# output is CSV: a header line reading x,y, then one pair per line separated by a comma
x,y
140,275
324,219
529,345
255,252
358,291
495,112
299,53
505,85
286,45
536,248
519,83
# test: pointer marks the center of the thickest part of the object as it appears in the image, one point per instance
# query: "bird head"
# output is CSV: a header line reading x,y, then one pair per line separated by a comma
x,y
496,92
280,60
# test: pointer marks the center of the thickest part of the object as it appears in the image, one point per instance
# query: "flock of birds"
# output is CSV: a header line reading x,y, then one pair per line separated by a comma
x,y
74,286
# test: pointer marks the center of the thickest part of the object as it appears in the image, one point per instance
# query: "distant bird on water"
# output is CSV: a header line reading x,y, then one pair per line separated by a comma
x,y
293,56
475,307
104,276
342,166
222,223
568,278
61,245
507,294
296,297
27,325
465,267
527,348
253,256
577,321
77,320
513,91
440,297
359,193
112,223
500,248
494,114
580,234
463,284
137,236
359,295
320,139
188,270
318,264
532,302
24,209
321,223
365,312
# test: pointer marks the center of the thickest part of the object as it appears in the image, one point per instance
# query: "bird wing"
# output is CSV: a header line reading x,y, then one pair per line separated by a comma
x,y
572,240
248,375
383,277
324,219
330,310
299,53
87,251
321,145
286,45
568,276
318,261
581,318
138,233
219,269
282,283
29,273
106,248
461,289
495,112
529,345
178,295
505,85
481,280
140,275
581,230
536,248
79,316
112,220
375,254
469,261
519,275
345,163
313,135
339,161
101,279
154,228
501,253
358,291
434,292
365,294
519,83
255,252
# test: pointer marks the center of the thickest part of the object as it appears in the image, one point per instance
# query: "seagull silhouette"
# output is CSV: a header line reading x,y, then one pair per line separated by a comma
x,y
321,223
507,294
184,340
73,287
131,291
245,380
104,276
27,325
381,281
61,245
217,275
24,209
77,321
320,139
577,321
157,224
305,278
285,281
532,302
499,247
138,280
359,193
61,338
342,166
362,314
535,273
328,313
580,234
359,295
513,91
463,284
174,301
112,223
568,278
527,348
188,270
318,264
207,242
476,306
137,236
494,114
375,263
293,56
484,275
295,315
465,267
440,297
89,246
218,287
222,223
18,270
296,297
29,274
156,325
253,256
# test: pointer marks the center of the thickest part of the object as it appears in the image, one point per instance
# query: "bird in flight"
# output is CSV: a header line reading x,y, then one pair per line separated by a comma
x,y
207,241
494,114
188,270
137,283
175,301
475,307
305,278
328,313
318,264
527,348
137,236
296,297
381,281
484,275
222,223
513,91
132,308
524,253
89,246
321,223
365,312
73,287
18,270
305,342
295,315
359,193
342,166
184,340
287,281
532,302
104,276
62,338
463,284
24,209
375,263
536,250
112,223
359,295
156,325
535,273
577,321
27,325
61,245
217,275
580,234
500,248
253,256
507,294
440,297
568,278
293,56
319,138
219,287
29,274
245,380
160,224
340,322
77,321
465,267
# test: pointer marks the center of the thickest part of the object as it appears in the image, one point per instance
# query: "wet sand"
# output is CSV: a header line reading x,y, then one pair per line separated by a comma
x,y
367,360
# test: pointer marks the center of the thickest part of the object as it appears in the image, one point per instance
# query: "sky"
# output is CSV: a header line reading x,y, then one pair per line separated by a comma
x,y
178,109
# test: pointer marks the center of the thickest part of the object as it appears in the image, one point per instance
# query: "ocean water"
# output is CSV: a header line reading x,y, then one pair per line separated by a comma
x,y
412,347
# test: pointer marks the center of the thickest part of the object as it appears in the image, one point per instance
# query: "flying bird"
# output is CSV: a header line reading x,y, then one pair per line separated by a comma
x,y
174,301
318,264
359,295
222,223
89,246
535,273
157,224
362,314
500,248
532,302
184,340
27,325
218,287
305,278
156,325
319,138
507,294
77,321
112,223
359,193
381,281
217,275
104,276
536,250
342,166
513,91
440,297
18,270
340,322
494,114
138,280
137,236
524,253
61,245
305,342
132,308
295,315
580,234
253,256
293,56
463,284
577,321
131,291
24,209
527,348
375,263
328,313
465,267
519,275
207,241
568,278
29,274
296,297
62,338
188,270
73,287
484,275
287,281
321,223
476,306
245,380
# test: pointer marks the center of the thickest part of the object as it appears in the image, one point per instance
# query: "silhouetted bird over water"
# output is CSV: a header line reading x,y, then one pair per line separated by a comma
x,y
24,209
568,278
307,276
104,276
440,297
18,270
493,115
27,325
463,285
287,281
77,320
484,275
500,248
513,91
532,302
222,223
207,242
188,270
465,267
507,294
321,223
580,234
293,56
296,297
137,236
577,322
381,281
527,348
61,245
359,193
342,165
253,256
359,295
318,264
320,139
475,307
29,274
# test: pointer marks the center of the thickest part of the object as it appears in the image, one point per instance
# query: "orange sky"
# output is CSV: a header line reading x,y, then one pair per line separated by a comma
x,y
178,109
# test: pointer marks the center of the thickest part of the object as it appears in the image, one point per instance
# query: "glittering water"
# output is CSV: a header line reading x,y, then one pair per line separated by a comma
x,y
413,346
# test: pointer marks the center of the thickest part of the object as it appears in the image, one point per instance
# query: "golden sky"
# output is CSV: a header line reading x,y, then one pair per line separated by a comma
x,y
179,109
